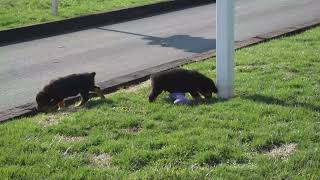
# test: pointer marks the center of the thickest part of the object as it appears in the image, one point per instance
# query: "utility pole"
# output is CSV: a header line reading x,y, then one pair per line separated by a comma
x,y
54,7
225,48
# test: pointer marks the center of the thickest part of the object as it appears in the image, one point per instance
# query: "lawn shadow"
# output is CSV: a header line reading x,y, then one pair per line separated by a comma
x,y
214,100
210,101
275,101
306,40
183,42
99,102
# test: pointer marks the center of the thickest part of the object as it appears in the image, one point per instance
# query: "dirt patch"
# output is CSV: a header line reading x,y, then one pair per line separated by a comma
x,y
72,138
283,151
101,160
69,109
49,121
247,68
133,129
56,117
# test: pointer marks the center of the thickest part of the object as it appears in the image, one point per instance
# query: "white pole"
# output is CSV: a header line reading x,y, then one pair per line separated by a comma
x,y
225,48
54,7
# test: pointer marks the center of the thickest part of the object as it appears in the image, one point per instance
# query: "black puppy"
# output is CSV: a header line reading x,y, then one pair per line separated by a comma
x,y
53,94
182,80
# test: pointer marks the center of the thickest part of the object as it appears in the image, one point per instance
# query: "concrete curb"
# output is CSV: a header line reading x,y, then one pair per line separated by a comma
x,y
82,22
140,76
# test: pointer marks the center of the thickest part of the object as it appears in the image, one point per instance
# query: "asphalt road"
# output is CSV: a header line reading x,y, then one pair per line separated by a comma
x,y
119,49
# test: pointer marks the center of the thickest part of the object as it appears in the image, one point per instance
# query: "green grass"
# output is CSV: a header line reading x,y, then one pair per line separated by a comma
x,y
17,13
277,103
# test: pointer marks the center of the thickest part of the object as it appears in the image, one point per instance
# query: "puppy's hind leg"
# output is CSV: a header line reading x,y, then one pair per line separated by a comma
x,y
84,98
99,92
61,105
196,96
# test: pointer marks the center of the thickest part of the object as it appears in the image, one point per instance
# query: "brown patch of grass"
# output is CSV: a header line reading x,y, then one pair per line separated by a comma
x,y
56,117
248,67
283,151
101,160
133,129
72,138
49,121
69,109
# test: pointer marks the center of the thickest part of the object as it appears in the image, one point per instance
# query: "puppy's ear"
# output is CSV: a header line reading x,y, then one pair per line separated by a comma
x,y
93,74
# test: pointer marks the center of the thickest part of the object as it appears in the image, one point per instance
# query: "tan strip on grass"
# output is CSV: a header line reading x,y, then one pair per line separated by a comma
x,y
283,151
101,160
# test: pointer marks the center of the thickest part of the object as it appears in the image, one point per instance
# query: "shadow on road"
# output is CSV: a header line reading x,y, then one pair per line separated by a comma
x,y
183,42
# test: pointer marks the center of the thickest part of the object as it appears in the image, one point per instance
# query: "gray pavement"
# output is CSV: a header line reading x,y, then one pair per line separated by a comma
x,y
123,48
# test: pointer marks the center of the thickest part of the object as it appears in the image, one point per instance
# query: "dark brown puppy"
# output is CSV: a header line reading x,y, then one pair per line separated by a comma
x,y
182,80
53,94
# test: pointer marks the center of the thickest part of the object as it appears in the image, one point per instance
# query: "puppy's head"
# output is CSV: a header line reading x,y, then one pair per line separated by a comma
x,y
207,88
213,87
90,78
43,101
93,74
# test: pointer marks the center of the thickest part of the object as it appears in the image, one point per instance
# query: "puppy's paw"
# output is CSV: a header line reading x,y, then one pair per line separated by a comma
x,y
78,105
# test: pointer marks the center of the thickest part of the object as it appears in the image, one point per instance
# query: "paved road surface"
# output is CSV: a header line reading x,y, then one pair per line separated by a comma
x,y
123,48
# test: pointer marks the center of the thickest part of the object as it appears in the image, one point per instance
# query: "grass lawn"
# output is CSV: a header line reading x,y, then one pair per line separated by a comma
x,y
270,129
17,13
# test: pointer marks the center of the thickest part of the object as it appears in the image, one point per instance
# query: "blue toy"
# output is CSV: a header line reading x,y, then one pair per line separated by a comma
x,y
179,98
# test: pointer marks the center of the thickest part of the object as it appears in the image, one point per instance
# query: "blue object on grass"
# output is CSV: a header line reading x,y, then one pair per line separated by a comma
x,y
179,98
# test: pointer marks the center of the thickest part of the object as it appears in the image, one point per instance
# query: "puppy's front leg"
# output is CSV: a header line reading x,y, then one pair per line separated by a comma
x,y
154,94
196,96
98,91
